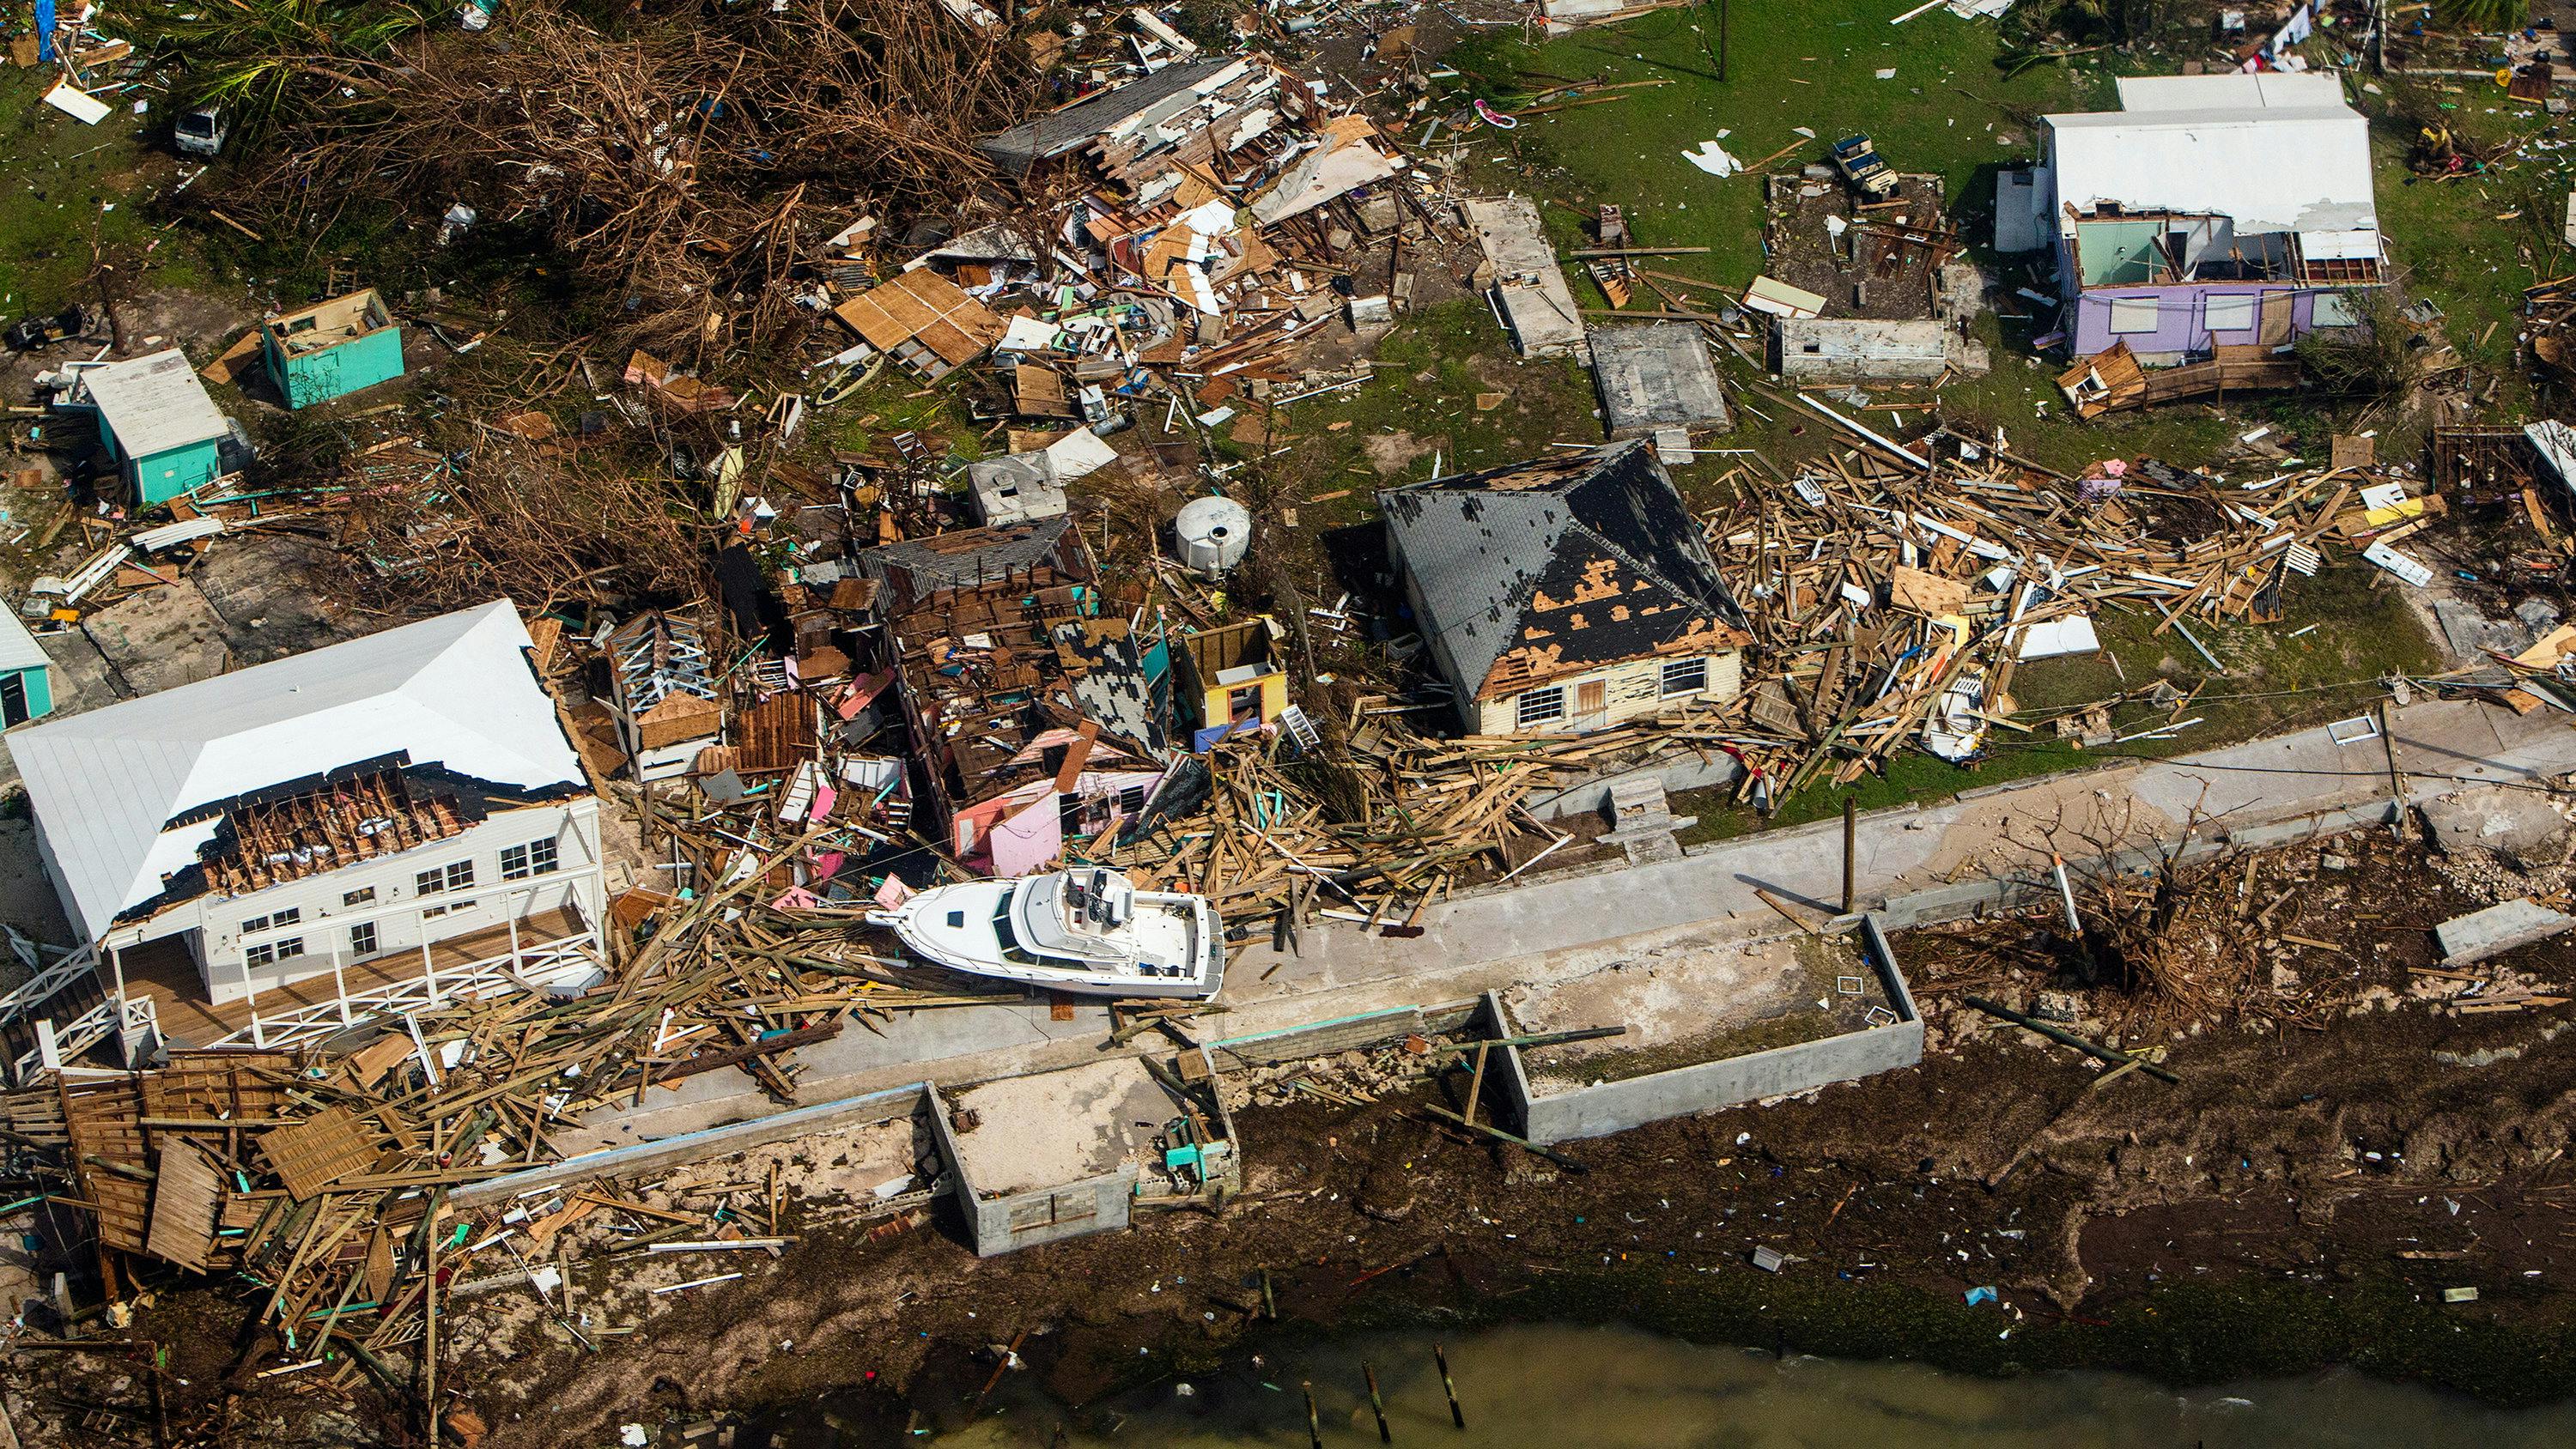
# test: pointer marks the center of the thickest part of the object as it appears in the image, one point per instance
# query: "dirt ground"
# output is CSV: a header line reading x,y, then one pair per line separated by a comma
x,y
2304,1195
1685,1001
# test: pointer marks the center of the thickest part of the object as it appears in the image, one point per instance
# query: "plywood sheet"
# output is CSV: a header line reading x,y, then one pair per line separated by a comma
x,y
186,1190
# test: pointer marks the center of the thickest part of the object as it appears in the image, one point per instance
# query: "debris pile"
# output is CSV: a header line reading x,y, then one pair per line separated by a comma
x,y
1891,607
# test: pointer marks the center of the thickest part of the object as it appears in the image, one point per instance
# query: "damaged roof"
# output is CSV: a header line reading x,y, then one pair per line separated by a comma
x,y
119,793
1557,566
1070,129
153,404
2270,157
966,558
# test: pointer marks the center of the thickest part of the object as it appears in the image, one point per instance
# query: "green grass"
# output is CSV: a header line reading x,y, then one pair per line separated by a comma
x,y
1420,407
55,176
1951,110
2279,676
1813,63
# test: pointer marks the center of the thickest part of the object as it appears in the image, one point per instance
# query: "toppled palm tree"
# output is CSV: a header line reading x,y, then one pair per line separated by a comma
x,y
261,59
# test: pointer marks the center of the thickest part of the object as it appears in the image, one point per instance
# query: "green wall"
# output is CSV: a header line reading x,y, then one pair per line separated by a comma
x,y
40,690
316,377
165,475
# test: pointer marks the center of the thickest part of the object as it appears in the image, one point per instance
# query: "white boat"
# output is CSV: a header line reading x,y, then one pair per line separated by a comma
x,y
1087,931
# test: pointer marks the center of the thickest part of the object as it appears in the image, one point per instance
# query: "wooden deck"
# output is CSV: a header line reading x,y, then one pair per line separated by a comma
x,y
164,971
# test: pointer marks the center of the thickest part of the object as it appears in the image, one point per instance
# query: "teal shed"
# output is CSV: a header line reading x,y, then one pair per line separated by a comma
x,y
157,422
332,349
26,675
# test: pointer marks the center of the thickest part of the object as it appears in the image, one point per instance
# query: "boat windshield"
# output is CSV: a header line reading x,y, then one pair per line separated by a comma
x,y
1008,942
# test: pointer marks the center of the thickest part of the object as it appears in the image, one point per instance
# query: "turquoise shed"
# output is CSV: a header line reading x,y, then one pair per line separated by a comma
x,y
26,675
333,349
157,422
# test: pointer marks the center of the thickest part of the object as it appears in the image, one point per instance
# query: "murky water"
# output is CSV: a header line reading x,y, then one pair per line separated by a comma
x,y
1583,1388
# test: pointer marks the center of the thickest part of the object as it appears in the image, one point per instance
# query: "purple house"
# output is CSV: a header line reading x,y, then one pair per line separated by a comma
x,y
2209,211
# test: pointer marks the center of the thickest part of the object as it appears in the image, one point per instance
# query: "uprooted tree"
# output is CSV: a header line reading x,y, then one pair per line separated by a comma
x,y
2153,924
542,521
679,158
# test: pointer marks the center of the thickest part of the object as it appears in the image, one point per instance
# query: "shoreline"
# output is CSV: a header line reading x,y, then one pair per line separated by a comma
x,y
1392,1225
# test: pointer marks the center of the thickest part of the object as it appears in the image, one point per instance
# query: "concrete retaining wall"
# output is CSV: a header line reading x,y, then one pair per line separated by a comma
x,y
1975,897
1607,1107
1342,1034
1017,1220
646,1159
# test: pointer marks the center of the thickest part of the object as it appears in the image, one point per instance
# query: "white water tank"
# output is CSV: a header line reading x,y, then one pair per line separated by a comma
x,y
1213,533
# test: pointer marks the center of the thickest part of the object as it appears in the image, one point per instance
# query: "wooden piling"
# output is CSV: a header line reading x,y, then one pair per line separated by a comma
x,y
1851,838
1269,1301
1314,1426
1449,1386
1377,1405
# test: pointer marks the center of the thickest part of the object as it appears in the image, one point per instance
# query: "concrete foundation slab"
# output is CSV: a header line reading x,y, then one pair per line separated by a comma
x,y
2518,824
1655,377
1058,1127
1528,286
2498,929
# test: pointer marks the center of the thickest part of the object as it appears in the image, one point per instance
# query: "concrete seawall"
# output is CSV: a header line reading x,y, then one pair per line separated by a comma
x,y
1616,1106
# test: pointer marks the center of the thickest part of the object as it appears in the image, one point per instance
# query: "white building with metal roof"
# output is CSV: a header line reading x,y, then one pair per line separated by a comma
x,y
2209,212
349,814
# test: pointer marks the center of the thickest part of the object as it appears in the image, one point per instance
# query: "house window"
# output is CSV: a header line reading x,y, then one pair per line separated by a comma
x,y
2130,315
453,877
537,857
274,919
2234,312
1538,706
362,939
358,897
271,951
1131,799
1685,676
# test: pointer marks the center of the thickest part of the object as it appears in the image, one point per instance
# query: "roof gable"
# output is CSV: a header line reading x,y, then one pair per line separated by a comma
x,y
153,403
2294,162
107,785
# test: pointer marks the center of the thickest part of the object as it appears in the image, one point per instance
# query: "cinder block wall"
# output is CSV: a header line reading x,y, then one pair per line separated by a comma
x,y
647,1159
1607,1107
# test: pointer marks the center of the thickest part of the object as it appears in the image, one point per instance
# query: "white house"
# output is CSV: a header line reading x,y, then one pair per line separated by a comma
x,y
271,854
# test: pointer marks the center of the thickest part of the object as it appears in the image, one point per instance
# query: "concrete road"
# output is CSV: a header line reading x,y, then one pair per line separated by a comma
x,y
1543,928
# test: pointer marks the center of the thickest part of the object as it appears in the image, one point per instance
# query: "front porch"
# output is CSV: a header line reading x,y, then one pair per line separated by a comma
x,y
517,954
156,987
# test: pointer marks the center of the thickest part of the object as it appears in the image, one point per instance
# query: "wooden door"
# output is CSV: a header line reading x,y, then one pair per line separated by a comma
x,y
1591,704
2274,329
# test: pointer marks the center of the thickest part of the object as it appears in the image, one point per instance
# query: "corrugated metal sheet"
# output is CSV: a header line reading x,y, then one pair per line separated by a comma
x,y
153,404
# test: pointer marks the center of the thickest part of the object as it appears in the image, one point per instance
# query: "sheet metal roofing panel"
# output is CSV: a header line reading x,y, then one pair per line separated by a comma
x,y
455,690
2275,170
18,648
2339,246
2235,90
153,404
1076,125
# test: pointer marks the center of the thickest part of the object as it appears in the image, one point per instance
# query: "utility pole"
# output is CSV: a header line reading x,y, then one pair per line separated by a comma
x,y
1722,27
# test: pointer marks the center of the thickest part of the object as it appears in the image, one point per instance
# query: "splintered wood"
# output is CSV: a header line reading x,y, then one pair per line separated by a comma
x,y
1891,607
